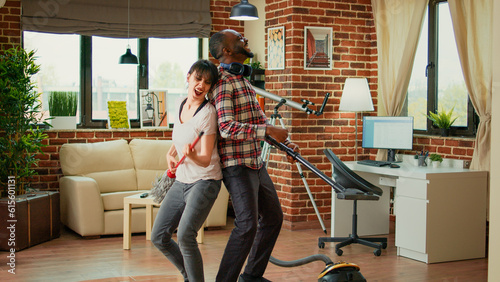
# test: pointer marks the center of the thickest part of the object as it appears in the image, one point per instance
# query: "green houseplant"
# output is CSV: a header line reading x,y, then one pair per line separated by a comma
x,y
443,119
21,138
21,142
62,108
436,159
63,103
257,78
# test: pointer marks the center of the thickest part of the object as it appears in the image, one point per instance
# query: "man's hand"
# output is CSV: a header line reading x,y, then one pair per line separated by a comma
x,y
295,148
279,134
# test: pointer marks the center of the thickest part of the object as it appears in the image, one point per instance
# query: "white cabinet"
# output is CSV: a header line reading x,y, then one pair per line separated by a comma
x,y
411,219
442,218
440,213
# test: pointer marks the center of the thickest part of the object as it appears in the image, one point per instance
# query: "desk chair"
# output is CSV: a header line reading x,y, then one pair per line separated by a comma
x,y
347,178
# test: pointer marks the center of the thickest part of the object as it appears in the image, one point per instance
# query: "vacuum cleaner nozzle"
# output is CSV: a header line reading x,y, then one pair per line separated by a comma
x,y
341,272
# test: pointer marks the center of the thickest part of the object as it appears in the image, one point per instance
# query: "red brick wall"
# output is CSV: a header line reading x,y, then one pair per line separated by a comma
x,y
10,24
49,168
354,54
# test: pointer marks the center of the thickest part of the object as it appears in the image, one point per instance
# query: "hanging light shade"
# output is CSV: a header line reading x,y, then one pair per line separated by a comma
x,y
244,11
128,57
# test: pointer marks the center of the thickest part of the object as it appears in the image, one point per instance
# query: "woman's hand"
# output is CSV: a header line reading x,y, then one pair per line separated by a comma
x,y
188,152
171,160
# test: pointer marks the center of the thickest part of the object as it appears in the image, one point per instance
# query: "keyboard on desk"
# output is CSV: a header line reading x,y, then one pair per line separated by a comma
x,y
373,163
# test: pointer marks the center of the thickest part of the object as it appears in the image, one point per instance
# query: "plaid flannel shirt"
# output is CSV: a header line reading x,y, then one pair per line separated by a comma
x,y
242,123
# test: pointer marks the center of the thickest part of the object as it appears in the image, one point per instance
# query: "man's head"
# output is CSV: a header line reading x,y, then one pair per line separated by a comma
x,y
229,46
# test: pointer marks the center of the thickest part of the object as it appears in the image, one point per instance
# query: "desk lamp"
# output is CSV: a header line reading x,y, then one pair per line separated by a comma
x,y
356,98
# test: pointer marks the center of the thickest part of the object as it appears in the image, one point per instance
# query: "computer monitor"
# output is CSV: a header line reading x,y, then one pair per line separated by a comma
x,y
392,133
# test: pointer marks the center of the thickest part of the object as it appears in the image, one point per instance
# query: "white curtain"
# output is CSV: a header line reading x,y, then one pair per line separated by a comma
x,y
398,24
473,27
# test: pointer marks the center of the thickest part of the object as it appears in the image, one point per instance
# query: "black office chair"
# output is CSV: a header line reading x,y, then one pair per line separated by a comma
x,y
352,182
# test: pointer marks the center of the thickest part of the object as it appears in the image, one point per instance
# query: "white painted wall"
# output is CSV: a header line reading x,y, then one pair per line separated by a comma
x,y
256,33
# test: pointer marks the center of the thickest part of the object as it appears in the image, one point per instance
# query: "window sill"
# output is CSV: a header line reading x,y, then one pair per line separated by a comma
x,y
110,130
468,138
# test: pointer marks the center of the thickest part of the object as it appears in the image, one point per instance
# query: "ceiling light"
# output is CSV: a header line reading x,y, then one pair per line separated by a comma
x,y
128,57
244,11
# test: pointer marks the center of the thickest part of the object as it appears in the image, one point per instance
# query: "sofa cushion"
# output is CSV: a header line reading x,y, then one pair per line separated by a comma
x,y
114,201
109,163
149,160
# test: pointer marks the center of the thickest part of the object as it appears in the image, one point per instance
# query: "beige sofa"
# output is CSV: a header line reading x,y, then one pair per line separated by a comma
x,y
97,176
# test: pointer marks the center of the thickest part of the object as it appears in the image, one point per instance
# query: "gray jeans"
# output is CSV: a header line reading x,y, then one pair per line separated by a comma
x,y
185,207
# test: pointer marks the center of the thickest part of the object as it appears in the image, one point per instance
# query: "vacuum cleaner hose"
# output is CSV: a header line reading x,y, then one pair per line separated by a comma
x,y
302,261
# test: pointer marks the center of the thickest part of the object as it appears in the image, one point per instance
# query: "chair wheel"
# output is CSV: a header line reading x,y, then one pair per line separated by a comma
x,y
377,252
384,245
321,245
339,252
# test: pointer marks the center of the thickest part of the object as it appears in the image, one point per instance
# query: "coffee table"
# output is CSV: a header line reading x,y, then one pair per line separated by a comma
x,y
127,218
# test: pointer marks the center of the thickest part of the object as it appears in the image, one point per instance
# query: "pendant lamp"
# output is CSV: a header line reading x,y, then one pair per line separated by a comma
x,y
128,57
244,11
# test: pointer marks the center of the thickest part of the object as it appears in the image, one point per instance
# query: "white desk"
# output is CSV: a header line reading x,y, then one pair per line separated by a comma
x,y
440,212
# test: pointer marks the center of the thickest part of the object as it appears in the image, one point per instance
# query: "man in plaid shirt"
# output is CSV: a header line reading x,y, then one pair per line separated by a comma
x,y
242,126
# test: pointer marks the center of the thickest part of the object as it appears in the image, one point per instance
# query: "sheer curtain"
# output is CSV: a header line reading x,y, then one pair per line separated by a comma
x,y
473,27
398,25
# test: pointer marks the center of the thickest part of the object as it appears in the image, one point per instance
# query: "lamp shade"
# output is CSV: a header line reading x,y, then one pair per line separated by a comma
x,y
128,58
244,11
356,96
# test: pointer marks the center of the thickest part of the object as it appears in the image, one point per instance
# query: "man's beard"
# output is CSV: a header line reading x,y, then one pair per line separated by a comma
x,y
244,51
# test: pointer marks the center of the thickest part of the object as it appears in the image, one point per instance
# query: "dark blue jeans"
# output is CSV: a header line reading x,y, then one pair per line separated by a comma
x,y
257,224
185,207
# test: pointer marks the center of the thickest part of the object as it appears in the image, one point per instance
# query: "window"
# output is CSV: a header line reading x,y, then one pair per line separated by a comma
x,y
112,81
170,72
89,66
58,57
437,81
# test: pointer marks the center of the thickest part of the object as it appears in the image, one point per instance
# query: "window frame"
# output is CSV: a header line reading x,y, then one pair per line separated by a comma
x,y
432,71
86,80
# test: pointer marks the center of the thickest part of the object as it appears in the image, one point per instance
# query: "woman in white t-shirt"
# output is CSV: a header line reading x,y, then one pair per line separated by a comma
x,y
198,178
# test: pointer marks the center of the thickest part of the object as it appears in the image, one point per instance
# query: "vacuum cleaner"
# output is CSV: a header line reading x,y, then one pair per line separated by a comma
x,y
333,272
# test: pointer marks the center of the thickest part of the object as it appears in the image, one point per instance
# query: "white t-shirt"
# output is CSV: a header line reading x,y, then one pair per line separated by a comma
x,y
185,133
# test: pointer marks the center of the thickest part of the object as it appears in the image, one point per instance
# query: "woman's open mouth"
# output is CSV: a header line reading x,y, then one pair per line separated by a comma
x,y
198,92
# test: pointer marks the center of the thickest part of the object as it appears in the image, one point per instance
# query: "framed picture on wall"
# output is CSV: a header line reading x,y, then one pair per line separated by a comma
x,y
276,48
153,108
318,48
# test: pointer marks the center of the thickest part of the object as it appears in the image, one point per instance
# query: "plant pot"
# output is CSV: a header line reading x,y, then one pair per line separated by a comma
x,y
63,122
445,132
436,164
29,220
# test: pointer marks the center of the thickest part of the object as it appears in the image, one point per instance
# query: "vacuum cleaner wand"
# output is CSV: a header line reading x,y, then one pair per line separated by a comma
x,y
341,191
296,156
333,272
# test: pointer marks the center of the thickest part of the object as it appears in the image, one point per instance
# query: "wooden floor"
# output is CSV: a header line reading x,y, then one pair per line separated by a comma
x,y
71,258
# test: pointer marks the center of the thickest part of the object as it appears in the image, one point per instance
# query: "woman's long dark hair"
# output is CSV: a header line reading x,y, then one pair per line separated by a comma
x,y
207,70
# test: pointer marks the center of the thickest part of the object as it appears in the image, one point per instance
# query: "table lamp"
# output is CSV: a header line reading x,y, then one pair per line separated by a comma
x,y
356,98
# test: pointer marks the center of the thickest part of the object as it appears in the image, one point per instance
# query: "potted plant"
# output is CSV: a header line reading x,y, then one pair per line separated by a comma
x,y
443,120
21,142
62,108
436,159
257,78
